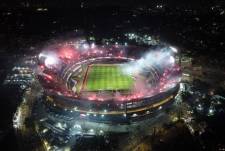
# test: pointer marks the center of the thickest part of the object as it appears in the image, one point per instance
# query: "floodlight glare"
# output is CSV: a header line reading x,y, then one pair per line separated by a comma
x,y
174,49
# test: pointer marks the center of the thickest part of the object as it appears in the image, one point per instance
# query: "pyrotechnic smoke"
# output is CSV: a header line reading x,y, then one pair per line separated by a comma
x,y
50,59
160,58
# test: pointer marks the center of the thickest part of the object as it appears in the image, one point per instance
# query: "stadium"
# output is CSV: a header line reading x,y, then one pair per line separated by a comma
x,y
107,83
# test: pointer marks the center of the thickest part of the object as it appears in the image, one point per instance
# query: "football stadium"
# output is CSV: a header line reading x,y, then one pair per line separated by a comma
x,y
105,84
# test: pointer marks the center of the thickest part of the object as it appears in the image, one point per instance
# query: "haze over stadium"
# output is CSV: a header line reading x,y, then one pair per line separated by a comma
x,y
156,67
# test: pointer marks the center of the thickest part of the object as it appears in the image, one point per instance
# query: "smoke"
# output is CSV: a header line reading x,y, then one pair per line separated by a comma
x,y
50,59
160,58
150,71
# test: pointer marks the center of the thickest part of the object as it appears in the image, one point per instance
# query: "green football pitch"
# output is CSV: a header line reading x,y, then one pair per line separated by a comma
x,y
106,77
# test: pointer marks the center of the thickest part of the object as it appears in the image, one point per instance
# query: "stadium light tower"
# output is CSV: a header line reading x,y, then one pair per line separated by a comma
x,y
92,45
178,53
50,61
172,60
41,55
85,46
174,49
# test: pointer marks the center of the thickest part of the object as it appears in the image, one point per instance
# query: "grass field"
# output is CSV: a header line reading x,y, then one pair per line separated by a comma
x,y
106,77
